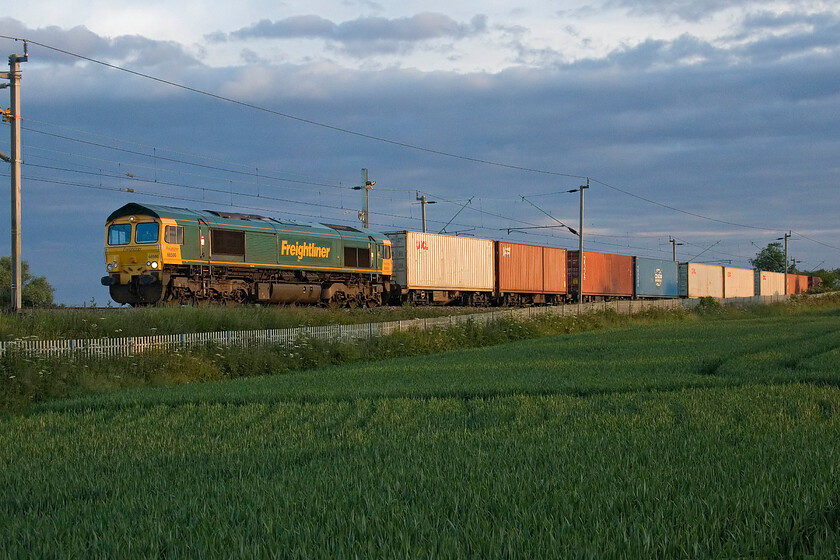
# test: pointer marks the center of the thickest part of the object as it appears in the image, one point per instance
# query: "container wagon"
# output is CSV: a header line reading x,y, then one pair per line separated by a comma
x,y
438,269
656,278
738,282
530,274
701,280
769,283
605,275
814,282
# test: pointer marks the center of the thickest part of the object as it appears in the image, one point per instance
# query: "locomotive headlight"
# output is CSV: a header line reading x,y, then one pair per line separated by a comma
x,y
153,264
111,266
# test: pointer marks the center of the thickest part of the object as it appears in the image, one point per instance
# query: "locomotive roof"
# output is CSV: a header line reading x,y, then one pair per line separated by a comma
x,y
236,219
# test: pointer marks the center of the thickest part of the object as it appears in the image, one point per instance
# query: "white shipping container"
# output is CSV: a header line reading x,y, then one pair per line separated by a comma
x,y
701,280
769,283
738,282
429,261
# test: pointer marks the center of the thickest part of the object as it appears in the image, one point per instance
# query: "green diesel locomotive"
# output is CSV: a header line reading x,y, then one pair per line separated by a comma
x,y
157,254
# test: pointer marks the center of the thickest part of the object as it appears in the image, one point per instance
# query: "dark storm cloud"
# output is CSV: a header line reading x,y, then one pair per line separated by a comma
x,y
133,49
365,35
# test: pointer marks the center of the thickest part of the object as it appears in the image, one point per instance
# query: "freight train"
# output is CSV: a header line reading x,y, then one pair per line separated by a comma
x,y
157,254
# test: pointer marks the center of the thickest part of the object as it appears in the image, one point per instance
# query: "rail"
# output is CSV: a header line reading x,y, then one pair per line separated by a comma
x,y
108,347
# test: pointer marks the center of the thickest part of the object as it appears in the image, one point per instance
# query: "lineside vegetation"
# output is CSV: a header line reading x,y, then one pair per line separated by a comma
x,y
709,434
26,380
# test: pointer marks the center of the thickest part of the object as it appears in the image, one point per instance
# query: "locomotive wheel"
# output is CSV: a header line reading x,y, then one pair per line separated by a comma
x,y
338,299
238,297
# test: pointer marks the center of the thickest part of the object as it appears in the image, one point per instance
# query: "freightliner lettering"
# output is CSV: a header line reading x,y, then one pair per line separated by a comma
x,y
301,250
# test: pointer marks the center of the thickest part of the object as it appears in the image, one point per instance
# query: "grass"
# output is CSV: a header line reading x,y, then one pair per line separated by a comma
x,y
26,380
745,471
147,321
704,436
634,356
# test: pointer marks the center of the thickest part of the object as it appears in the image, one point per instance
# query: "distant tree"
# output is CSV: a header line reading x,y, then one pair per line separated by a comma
x,y
829,278
37,292
771,258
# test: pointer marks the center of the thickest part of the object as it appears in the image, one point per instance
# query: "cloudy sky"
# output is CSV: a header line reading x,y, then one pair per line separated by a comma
x,y
715,123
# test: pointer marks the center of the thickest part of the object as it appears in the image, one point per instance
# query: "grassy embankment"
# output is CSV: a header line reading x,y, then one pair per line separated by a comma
x,y
698,437
26,380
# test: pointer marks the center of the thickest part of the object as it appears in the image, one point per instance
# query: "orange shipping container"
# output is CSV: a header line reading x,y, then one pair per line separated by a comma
x,y
797,283
604,274
530,269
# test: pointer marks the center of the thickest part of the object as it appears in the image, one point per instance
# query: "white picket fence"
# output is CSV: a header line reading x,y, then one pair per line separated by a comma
x,y
132,345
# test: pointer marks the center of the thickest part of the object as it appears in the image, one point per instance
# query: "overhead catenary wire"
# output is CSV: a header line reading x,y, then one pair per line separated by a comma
x,y
644,250
173,160
282,114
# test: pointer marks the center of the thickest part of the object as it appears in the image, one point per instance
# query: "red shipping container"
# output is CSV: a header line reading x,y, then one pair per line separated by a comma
x,y
530,269
604,274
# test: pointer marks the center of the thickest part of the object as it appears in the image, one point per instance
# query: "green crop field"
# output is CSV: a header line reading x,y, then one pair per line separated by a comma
x,y
704,438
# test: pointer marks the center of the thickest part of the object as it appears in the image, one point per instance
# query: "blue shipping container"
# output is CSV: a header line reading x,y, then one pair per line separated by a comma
x,y
656,278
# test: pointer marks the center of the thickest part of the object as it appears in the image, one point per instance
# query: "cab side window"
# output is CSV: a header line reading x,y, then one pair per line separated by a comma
x,y
357,257
174,235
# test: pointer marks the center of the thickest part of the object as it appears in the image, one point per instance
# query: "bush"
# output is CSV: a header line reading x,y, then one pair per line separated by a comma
x,y
709,306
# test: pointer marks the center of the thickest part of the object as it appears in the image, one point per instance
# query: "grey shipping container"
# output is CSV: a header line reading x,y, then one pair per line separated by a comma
x,y
656,278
